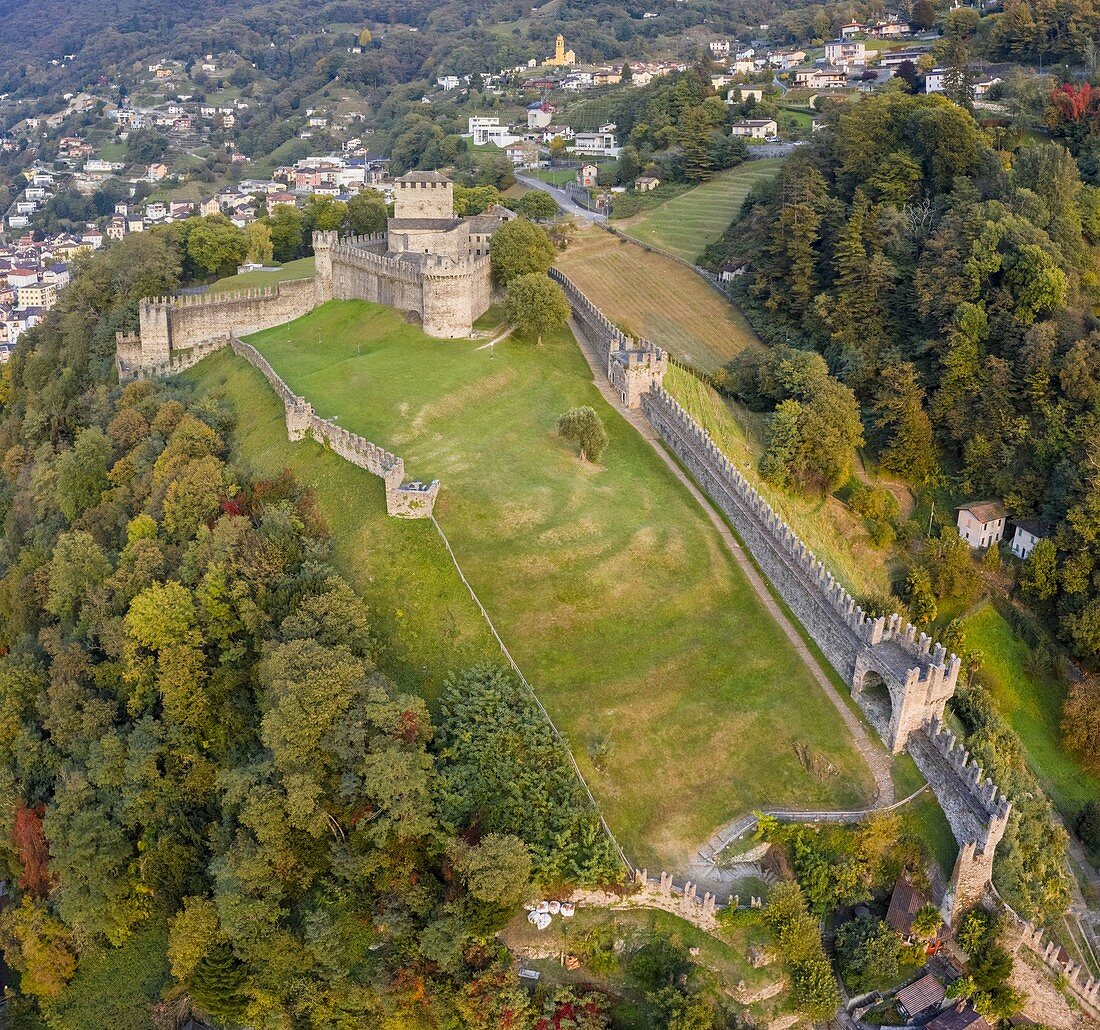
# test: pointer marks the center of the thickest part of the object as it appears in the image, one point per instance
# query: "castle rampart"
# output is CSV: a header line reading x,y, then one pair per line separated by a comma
x,y
409,500
917,672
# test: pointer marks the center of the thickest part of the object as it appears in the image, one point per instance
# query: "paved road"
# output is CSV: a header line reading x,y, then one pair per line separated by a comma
x,y
565,202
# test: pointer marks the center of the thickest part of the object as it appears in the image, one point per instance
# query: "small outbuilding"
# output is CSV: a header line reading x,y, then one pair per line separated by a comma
x,y
960,1017
924,993
905,903
1028,533
646,184
981,523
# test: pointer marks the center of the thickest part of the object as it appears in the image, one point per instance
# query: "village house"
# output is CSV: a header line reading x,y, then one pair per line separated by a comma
x,y
739,94
845,53
821,78
755,128
601,143
586,175
851,30
1027,534
646,184
981,523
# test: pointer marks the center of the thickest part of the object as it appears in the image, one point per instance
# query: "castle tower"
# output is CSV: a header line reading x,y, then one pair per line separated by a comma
x,y
323,242
421,195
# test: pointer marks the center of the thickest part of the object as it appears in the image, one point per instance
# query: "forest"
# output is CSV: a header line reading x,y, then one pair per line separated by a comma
x,y
213,799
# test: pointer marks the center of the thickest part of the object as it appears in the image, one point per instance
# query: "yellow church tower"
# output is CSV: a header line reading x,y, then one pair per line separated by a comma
x,y
562,57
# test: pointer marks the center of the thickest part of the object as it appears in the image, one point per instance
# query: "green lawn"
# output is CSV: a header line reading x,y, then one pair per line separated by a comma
x,y
609,584
687,223
300,269
1033,707
427,619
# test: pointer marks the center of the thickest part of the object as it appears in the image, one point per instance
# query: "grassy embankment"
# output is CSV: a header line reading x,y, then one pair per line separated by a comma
x,y
685,224
300,269
1032,704
608,582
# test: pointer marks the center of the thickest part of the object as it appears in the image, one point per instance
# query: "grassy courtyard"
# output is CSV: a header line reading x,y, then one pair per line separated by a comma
x,y
300,269
687,223
651,295
608,583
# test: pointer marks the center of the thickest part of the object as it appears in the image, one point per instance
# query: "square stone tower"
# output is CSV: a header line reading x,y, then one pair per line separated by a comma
x,y
421,195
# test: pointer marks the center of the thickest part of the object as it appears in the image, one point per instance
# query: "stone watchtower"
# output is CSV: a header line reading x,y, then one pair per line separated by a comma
x,y
323,242
423,195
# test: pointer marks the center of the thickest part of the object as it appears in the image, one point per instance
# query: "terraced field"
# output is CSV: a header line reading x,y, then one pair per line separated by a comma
x,y
651,295
687,223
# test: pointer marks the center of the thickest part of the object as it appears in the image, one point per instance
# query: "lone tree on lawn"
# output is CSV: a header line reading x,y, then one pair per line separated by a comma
x,y
584,427
535,305
519,247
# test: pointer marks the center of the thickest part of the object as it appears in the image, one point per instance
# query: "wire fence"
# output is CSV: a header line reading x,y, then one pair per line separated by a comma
x,y
534,696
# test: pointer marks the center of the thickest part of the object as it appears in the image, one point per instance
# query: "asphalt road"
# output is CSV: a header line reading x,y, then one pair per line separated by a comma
x,y
564,201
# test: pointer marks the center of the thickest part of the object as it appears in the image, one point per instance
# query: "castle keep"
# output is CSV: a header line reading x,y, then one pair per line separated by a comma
x,y
429,263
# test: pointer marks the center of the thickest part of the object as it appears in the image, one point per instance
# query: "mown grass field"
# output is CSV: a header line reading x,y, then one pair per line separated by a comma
x,y
425,615
651,295
687,223
1032,704
300,269
610,586
828,527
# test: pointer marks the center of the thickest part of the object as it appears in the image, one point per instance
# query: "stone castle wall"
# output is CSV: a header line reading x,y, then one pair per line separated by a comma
x,y
170,324
917,672
447,294
411,500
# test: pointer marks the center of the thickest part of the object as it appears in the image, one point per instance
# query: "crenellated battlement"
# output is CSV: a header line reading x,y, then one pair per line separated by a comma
x,y
984,792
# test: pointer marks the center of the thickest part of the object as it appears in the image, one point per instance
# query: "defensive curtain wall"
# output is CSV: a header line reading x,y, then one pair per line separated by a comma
x,y
404,499
447,294
878,657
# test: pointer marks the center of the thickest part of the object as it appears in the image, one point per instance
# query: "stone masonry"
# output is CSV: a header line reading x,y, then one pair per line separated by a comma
x,y
429,264
878,657
408,500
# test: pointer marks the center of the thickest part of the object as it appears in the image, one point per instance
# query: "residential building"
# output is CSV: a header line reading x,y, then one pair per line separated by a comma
x,y
845,53
981,523
523,154
933,81
539,116
755,128
1028,533
720,48
851,30
739,94
960,1017
36,295
821,78
646,184
586,175
479,127
602,142
924,993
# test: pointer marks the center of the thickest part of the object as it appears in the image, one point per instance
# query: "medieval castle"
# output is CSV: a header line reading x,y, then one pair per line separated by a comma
x,y
429,263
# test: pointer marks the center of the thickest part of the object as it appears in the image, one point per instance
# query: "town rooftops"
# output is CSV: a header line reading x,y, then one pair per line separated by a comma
x,y
985,511
961,1017
922,994
422,177
905,902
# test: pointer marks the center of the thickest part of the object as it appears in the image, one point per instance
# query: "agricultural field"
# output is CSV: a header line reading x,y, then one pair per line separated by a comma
x,y
609,584
687,223
300,269
650,295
